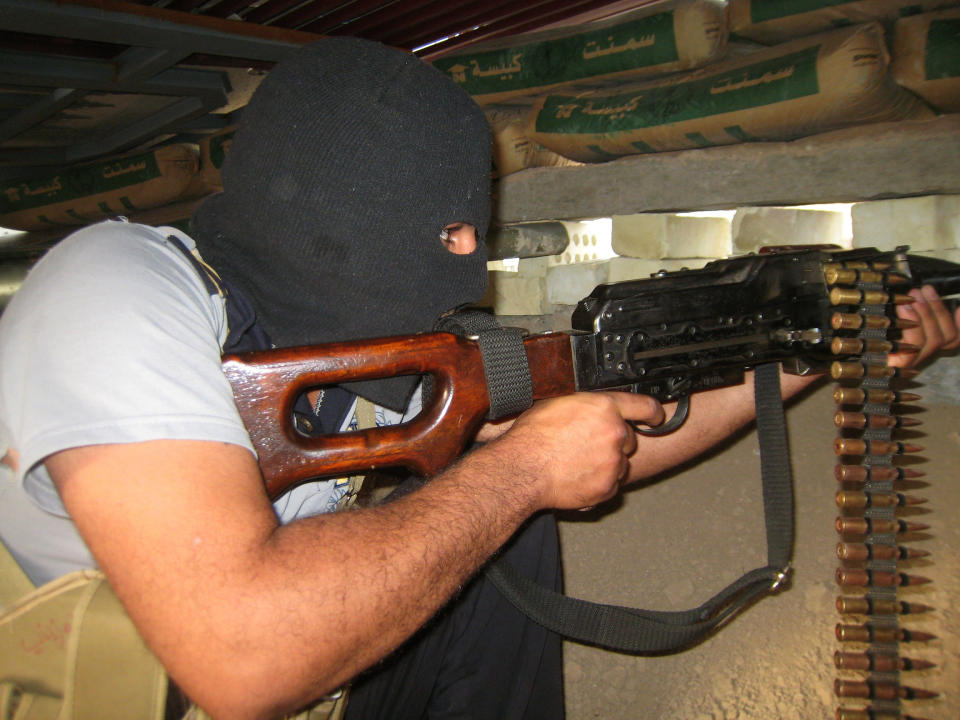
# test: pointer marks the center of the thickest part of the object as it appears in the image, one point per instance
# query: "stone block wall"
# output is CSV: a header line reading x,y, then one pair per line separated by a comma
x,y
640,245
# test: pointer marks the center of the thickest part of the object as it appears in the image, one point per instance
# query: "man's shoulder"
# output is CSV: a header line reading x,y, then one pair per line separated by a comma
x,y
98,263
107,281
111,242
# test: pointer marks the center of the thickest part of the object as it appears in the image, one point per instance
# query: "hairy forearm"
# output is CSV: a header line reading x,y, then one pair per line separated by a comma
x,y
353,586
714,416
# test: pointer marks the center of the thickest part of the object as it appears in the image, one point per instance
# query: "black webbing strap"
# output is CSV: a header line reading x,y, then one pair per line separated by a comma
x,y
633,630
504,359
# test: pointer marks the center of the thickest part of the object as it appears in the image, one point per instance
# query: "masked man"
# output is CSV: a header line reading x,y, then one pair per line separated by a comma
x,y
355,204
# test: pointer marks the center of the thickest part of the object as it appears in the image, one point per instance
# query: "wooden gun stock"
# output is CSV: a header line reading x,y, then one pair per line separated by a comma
x,y
267,383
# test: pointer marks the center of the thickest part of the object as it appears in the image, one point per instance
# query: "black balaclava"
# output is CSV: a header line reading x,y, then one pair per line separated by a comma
x,y
349,161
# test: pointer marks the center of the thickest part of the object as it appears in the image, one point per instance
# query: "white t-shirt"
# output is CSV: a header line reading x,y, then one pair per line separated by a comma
x,y
112,338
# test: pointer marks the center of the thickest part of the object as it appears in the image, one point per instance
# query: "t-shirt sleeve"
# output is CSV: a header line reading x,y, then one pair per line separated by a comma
x,y
112,339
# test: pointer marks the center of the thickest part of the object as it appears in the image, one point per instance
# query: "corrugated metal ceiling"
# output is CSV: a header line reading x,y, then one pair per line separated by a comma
x,y
81,79
423,26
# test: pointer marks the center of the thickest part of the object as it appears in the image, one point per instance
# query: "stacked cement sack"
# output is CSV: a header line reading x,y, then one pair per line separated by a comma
x,y
126,185
508,75
925,44
666,77
926,57
213,151
806,86
664,38
92,191
512,149
775,21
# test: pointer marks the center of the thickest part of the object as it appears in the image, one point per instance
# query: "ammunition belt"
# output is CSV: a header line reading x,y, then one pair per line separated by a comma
x,y
871,473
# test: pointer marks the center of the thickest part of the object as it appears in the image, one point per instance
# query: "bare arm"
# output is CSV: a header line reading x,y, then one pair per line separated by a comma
x,y
253,619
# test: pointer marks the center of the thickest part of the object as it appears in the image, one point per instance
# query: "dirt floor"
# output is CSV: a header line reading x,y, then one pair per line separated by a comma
x,y
673,543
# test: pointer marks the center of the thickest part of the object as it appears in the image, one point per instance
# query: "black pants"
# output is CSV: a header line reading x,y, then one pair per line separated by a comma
x,y
479,657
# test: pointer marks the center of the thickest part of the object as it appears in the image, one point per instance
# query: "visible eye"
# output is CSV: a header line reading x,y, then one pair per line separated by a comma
x,y
459,238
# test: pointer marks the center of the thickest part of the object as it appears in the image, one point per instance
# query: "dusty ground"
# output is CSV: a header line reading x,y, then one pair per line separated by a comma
x,y
673,543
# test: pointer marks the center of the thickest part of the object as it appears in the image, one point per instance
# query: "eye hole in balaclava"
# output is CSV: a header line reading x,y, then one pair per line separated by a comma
x,y
459,238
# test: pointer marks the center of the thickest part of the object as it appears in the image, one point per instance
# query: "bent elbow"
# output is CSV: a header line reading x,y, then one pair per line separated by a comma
x,y
251,688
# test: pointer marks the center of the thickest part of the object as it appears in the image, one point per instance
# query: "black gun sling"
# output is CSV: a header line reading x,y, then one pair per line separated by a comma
x,y
632,630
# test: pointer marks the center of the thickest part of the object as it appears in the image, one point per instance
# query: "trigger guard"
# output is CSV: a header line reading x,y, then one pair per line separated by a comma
x,y
676,420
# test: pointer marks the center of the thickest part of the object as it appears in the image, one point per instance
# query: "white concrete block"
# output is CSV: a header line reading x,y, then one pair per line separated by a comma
x,y
623,268
949,221
628,268
508,293
533,267
589,241
697,237
659,235
754,228
924,223
639,236
568,284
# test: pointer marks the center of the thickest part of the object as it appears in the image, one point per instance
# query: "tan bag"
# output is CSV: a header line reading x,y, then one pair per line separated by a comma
x,y
926,57
68,651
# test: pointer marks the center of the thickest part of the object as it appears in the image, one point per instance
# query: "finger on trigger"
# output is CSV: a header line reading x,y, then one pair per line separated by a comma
x,y
640,408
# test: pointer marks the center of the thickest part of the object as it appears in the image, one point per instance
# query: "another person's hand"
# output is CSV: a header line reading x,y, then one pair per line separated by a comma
x,y
577,448
937,330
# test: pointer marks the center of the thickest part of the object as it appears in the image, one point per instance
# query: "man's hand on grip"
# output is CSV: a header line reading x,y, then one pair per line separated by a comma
x,y
577,448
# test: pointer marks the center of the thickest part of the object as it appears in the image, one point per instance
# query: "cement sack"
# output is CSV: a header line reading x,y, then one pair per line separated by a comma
x,y
801,88
776,21
665,38
213,151
512,149
94,191
926,57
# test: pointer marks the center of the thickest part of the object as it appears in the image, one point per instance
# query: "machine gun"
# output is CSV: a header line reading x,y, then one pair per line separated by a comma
x,y
667,336
673,334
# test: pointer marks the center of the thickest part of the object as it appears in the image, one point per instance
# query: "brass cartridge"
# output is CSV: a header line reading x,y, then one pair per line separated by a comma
x,y
854,446
851,276
866,605
866,526
856,371
856,321
852,296
861,421
858,396
857,346
877,662
877,690
870,633
862,552
877,473
859,577
871,713
857,500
